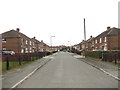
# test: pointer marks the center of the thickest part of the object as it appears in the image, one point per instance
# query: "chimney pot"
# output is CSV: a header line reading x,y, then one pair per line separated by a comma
x,y
108,27
17,29
91,36
41,40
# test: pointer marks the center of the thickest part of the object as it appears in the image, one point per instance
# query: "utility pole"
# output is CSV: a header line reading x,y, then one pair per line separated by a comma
x,y
84,30
84,37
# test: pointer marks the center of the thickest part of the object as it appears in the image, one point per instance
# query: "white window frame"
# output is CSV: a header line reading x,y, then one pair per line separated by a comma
x,y
22,50
26,42
30,42
4,48
33,43
96,41
26,50
100,40
105,39
4,40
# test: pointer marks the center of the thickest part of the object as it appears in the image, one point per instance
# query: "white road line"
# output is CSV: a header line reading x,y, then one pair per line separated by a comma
x,y
117,78
27,76
109,74
24,79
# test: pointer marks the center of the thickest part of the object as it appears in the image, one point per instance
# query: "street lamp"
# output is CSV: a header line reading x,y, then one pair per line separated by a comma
x,y
70,47
51,41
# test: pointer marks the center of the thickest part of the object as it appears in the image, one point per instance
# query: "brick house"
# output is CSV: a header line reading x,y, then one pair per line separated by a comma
x,y
90,44
37,45
45,46
40,46
108,40
82,45
16,41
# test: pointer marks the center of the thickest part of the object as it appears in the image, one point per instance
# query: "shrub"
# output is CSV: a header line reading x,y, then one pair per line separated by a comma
x,y
98,54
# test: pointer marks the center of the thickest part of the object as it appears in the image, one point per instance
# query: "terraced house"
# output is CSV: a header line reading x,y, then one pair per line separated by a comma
x,y
14,40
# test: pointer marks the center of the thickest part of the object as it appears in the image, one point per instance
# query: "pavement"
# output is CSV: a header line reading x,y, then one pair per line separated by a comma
x,y
108,67
62,70
11,77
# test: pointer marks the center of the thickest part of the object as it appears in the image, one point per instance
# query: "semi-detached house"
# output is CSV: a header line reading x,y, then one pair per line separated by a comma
x,y
14,40
108,40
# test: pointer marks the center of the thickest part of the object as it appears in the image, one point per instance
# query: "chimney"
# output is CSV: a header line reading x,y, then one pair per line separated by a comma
x,y
108,27
41,40
17,29
91,36
34,37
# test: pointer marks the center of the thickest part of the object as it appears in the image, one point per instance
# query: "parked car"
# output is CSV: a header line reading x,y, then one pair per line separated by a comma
x,y
8,52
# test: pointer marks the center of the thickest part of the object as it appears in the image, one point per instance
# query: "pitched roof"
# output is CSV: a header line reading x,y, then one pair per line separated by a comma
x,y
114,31
35,40
111,31
14,34
90,39
9,34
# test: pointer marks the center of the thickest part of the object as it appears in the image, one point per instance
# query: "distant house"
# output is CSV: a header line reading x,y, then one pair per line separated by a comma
x,y
90,44
108,40
77,46
45,47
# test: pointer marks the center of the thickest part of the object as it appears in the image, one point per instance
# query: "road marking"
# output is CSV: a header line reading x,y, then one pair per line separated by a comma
x,y
29,75
46,57
109,74
115,77
104,71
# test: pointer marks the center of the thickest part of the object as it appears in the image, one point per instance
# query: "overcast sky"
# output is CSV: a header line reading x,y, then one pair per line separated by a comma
x,y
61,18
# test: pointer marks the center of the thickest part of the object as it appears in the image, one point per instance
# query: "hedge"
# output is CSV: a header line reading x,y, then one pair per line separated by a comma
x,y
98,54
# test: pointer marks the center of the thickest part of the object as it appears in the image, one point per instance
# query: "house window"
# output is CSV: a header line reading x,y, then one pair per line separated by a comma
x,y
30,49
4,48
33,50
95,41
105,47
26,50
26,42
100,40
4,40
30,43
22,50
33,43
105,39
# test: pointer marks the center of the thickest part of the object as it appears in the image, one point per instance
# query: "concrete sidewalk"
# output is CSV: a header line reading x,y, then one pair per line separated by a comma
x,y
11,77
106,66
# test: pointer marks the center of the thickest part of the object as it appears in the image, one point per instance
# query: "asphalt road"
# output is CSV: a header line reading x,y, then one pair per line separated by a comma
x,y
65,71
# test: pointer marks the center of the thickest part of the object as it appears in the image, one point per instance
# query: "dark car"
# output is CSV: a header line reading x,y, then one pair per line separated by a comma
x,y
8,52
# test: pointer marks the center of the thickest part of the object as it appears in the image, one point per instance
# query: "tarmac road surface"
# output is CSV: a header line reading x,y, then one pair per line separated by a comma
x,y
65,71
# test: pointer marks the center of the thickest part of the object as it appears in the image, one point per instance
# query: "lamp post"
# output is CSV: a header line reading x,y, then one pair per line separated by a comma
x,y
69,46
51,41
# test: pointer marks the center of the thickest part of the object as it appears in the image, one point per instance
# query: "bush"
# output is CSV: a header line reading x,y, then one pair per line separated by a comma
x,y
98,54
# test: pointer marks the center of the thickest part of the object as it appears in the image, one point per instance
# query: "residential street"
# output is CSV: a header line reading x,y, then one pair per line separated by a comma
x,y
65,71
